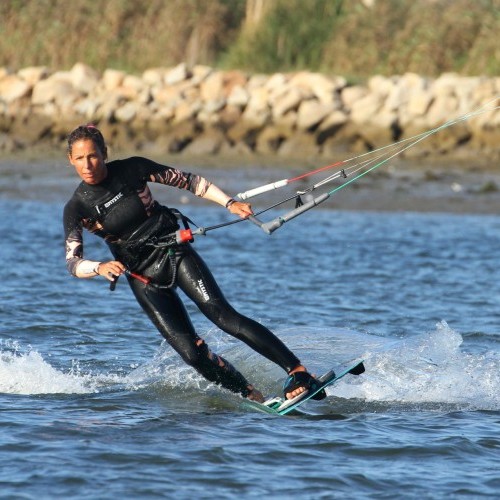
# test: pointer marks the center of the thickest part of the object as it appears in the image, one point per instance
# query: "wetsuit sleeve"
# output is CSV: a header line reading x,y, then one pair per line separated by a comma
x,y
170,176
73,230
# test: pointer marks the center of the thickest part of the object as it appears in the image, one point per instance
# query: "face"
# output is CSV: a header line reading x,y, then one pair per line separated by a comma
x,y
88,161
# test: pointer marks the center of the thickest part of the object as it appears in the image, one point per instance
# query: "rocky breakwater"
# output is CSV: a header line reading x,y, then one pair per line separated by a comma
x,y
203,111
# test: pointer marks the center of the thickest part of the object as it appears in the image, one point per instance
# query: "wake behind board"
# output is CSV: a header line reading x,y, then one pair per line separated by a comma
x,y
280,406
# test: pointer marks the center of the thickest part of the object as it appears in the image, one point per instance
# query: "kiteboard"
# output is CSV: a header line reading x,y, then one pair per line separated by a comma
x,y
280,406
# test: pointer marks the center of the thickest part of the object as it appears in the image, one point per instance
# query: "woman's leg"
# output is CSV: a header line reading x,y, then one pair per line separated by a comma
x,y
198,283
168,314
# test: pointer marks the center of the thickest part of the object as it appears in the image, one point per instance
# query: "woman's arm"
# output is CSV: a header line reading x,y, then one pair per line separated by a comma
x,y
76,264
215,194
198,185
85,268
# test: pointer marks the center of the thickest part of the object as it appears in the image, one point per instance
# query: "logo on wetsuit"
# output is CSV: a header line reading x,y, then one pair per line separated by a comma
x,y
113,200
203,290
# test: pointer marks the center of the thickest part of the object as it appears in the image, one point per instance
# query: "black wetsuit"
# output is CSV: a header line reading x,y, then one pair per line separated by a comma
x,y
121,210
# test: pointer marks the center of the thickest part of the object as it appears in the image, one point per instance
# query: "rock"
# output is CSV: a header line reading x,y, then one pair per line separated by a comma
x,y
207,143
166,95
317,85
112,79
335,119
127,112
106,105
235,150
442,109
186,110
376,136
275,83
238,96
200,73
242,131
290,100
154,77
211,87
311,113
84,78
179,137
418,104
177,74
12,87
228,117
134,86
381,86
203,110
33,74
231,80
350,95
365,109
445,85
257,112
86,107
330,126
270,139
55,89
299,145
31,128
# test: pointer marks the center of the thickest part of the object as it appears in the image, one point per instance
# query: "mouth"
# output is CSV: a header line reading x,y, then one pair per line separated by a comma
x,y
89,178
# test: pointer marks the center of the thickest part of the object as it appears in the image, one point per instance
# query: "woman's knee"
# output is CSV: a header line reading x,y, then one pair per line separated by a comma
x,y
197,355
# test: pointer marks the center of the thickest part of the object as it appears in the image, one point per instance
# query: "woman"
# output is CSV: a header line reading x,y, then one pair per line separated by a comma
x,y
114,202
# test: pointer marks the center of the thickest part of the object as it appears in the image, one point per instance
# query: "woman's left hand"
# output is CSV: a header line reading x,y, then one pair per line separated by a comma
x,y
241,208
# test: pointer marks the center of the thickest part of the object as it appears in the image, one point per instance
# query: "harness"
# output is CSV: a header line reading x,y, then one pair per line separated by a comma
x,y
156,238
170,242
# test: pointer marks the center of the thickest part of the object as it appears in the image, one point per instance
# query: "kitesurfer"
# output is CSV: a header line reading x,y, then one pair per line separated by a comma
x,y
114,202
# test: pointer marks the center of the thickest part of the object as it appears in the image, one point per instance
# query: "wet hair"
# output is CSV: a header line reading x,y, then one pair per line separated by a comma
x,y
84,132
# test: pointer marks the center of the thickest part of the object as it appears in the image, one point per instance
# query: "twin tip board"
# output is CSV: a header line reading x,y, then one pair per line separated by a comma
x,y
280,406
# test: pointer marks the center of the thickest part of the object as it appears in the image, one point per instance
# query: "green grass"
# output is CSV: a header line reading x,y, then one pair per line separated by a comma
x,y
341,37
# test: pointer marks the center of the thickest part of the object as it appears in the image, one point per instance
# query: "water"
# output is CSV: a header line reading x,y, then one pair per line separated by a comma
x,y
94,405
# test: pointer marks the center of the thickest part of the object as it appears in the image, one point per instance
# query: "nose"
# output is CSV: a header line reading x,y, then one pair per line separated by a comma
x,y
87,164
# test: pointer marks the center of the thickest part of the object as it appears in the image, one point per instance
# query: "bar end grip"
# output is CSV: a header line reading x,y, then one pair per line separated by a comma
x,y
271,226
259,223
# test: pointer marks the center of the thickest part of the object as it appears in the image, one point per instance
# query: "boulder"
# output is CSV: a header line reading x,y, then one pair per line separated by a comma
x,y
112,79
290,100
33,74
270,139
84,78
299,145
178,74
12,87
238,96
208,142
58,88
311,113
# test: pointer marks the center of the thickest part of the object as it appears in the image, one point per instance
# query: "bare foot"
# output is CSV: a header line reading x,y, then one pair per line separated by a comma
x,y
255,395
295,393
299,390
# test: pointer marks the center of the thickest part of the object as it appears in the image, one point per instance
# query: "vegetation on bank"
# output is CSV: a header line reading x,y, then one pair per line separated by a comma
x,y
353,38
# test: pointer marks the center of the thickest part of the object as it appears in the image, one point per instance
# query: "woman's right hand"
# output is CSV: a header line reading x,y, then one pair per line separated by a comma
x,y
110,270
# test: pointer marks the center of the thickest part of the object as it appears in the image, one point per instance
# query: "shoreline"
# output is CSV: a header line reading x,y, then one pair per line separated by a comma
x,y
399,186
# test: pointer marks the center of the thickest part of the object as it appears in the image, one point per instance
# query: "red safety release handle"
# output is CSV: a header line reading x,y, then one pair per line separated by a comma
x,y
139,277
184,236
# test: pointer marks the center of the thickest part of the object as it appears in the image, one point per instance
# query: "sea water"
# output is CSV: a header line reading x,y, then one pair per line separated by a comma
x,y
94,405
